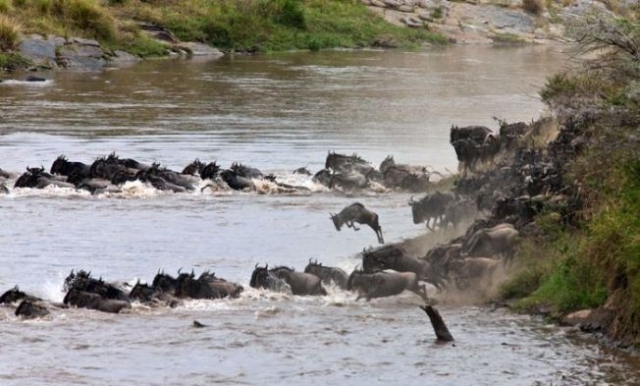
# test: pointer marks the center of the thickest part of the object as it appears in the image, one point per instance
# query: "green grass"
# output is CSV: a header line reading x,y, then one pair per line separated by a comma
x,y
230,25
12,61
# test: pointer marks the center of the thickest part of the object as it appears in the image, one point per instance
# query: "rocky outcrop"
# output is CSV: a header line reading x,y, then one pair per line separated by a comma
x,y
486,21
87,54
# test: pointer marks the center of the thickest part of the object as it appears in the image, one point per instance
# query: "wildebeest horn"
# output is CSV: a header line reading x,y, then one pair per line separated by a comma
x,y
179,269
256,266
411,201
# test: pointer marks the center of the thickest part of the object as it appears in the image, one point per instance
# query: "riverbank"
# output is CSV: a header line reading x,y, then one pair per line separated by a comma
x,y
569,184
91,34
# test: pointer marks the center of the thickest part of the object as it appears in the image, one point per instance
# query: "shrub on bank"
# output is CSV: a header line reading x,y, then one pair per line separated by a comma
x,y
597,260
9,33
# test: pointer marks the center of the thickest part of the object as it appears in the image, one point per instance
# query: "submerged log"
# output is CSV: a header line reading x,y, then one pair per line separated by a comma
x,y
441,330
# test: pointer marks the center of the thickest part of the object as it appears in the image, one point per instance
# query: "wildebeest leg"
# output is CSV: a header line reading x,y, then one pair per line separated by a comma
x,y
351,224
427,223
441,330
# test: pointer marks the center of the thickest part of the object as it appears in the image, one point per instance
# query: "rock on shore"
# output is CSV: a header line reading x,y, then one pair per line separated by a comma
x,y
79,53
487,21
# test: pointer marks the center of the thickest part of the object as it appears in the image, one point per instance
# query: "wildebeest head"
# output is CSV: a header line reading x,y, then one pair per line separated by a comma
x,y
323,177
386,164
142,292
59,166
164,282
337,221
260,277
12,295
355,279
419,209
210,171
313,266
193,168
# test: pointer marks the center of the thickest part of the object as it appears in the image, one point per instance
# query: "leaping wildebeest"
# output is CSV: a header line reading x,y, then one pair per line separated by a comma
x,y
357,213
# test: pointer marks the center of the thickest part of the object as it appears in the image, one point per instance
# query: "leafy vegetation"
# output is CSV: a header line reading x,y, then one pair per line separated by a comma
x,y
596,260
231,25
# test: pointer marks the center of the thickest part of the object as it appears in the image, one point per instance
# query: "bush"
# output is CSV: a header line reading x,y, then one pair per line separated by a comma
x,y
86,15
535,7
9,34
44,6
289,13
5,6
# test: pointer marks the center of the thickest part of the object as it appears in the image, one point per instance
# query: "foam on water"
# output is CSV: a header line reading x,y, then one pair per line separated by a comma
x,y
18,82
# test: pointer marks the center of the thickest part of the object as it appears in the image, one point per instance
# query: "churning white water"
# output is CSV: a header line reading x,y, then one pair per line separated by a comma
x,y
276,113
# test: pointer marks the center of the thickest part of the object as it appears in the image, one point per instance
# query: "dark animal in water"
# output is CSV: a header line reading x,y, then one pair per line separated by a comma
x,y
3,188
14,294
107,167
383,284
30,310
327,275
39,179
82,281
165,179
439,327
194,167
93,301
262,277
323,177
303,170
246,171
282,278
220,287
396,258
164,282
300,283
205,171
357,213
146,294
431,207
65,167
237,181
351,180
405,177
207,286
341,163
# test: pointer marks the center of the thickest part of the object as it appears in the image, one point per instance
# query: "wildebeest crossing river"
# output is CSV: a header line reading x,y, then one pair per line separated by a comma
x,y
277,113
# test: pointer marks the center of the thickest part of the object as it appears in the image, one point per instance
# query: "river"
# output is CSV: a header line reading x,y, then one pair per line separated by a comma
x,y
276,112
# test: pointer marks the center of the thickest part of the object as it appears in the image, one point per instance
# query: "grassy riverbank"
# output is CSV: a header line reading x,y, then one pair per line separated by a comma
x,y
230,25
589,258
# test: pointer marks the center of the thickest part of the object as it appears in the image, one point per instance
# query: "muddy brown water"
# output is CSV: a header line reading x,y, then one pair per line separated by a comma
x,y
277,113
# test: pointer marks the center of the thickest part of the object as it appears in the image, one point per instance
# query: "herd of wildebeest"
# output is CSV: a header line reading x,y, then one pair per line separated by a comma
x,y
505,179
